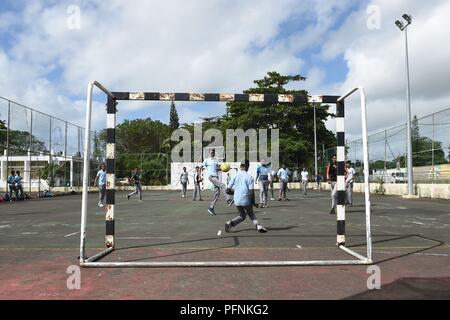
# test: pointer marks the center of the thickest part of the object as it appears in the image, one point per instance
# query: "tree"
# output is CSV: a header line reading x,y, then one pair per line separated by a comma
x,y
423,147
19,140
294,120
174,120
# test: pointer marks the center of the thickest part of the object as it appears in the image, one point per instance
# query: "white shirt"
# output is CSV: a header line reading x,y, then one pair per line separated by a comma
x,y
304,175
350,175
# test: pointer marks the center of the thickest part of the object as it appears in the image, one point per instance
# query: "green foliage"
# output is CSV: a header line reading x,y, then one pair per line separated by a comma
x,y
422,148
295,121
174,122
19,140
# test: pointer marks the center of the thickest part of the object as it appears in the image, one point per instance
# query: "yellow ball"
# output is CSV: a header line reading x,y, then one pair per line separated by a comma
x,y
224,167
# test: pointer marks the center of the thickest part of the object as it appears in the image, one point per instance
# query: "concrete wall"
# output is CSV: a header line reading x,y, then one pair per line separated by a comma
x,y
423,190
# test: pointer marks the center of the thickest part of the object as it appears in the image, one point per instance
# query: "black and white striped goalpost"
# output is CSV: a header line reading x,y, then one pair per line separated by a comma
x,y
113,97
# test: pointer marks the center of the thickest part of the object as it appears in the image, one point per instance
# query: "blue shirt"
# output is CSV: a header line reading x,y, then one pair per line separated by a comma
x,y
18,180
263,172
283,174
11,180
211,166
101,175
243,188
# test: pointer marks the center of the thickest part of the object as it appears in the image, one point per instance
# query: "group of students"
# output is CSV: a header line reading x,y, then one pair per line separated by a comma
x,y
15,186
240,186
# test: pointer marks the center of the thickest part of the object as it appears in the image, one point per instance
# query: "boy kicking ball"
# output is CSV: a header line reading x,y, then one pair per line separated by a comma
x,y
244,198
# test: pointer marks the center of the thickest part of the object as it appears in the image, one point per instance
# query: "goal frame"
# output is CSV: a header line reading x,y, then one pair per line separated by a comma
x,y
112,101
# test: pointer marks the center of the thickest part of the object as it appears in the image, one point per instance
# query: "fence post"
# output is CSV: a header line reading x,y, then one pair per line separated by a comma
x,y
30,151
432,147
385,151
50,159
65,157
7,145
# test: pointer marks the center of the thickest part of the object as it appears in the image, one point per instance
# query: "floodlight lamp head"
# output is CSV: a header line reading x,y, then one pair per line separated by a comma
x,y
407,18
399,24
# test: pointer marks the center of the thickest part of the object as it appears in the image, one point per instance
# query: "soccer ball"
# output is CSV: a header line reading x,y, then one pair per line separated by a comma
x,y
224,167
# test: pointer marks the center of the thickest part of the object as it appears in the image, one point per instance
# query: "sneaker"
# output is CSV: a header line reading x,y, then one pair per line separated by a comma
x,y
193,199
261,205
279,199
227,226
211,211
272,199
332,211
101,205
201,200
261,229
128,197
286,199
230,202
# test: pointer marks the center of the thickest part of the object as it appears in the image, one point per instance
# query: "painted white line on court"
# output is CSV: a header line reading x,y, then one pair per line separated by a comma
x,y
71,234
418,223
219,232
142,238
5,226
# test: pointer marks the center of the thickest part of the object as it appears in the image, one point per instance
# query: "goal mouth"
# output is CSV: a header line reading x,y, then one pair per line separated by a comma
x,y
112,101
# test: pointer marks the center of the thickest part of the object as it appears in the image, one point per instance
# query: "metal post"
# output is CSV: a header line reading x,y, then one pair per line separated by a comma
x,y
315,148
7,144
50,159
65,158
385,151
85,173
408,122
31,149
366,173
432,147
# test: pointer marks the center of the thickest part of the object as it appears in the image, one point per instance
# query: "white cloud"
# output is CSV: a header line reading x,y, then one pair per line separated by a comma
x,y
375,59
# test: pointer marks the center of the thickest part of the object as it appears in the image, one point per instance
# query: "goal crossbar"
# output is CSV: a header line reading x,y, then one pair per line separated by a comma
x,y
112,101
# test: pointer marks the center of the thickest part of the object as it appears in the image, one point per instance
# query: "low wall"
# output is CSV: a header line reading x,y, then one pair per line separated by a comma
x,y
423,190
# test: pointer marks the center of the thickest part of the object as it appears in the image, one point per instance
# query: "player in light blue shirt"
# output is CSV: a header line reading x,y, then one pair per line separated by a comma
x,y
262,178
244,198
283,177
100,180
212,167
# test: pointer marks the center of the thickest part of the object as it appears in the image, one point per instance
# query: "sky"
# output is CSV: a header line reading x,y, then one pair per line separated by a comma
x,y
50,50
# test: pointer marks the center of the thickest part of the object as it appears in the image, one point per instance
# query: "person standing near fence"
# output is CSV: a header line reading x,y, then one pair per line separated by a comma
x,y
332,178
19,187
349,179
262,178
304,175
12,186
184,180
283,178
319,181
197,180
136,177
100,180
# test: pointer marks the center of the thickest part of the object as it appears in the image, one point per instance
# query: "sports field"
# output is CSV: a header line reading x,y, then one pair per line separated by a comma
x,y
39,240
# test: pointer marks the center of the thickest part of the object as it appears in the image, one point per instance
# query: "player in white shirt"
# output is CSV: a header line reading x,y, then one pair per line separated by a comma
x,y
349,179
304,174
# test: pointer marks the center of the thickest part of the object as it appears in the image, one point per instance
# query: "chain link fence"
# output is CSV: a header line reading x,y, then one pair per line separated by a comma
x,y
47,151
387,151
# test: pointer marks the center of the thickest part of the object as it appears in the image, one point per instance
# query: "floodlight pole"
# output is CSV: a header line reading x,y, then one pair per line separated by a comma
x,y
408,114
408,107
